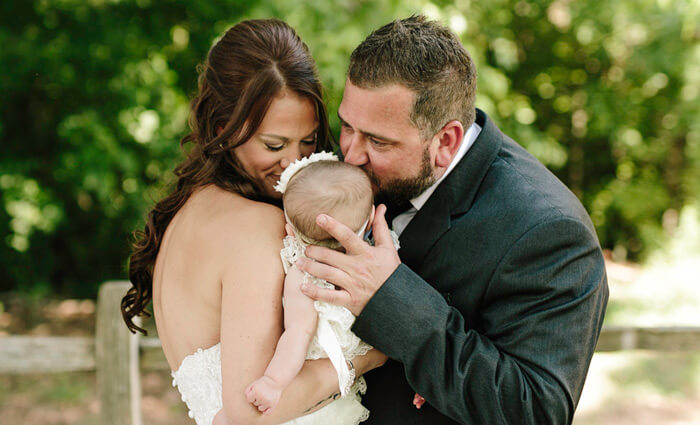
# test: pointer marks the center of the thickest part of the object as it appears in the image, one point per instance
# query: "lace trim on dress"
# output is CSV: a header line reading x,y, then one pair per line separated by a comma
x,y
199,381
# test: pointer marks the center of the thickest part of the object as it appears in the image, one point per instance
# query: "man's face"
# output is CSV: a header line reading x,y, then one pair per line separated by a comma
x,y
377,135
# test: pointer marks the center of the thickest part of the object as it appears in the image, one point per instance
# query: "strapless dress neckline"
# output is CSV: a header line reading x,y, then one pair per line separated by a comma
x,y
199,381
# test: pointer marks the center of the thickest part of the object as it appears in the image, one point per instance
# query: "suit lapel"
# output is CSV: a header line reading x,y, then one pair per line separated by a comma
x,y
453,196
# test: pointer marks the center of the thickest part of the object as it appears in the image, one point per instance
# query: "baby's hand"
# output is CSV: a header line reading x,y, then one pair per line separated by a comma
x,y
264,394
418,401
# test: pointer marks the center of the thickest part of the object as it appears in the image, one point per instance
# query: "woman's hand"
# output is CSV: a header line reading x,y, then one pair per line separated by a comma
x,y
372,360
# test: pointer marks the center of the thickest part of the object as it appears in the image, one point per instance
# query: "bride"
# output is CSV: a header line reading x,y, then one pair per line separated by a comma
x,y
208,257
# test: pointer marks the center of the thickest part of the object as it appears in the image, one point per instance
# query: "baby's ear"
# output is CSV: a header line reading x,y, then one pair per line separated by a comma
x,y
289,229
371,218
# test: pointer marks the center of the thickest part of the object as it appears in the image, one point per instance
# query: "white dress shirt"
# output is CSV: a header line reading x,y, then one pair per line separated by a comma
x,y
401,221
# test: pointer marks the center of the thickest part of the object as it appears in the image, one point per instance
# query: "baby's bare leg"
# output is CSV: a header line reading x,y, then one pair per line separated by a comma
x,y
300,320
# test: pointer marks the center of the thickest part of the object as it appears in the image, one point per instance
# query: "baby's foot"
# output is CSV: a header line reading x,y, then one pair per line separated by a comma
x,y
264,394
418,401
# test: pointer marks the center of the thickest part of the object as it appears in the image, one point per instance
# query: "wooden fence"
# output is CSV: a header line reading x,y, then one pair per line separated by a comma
x,y
118,356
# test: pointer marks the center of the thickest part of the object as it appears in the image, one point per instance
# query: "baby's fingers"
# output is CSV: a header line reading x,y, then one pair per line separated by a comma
x,y
250,394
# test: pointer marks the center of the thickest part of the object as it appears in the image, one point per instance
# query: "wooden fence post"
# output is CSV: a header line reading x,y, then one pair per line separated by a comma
x,y
117,360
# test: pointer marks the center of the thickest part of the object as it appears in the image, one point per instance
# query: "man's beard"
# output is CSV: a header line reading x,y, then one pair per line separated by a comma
x,y
399,191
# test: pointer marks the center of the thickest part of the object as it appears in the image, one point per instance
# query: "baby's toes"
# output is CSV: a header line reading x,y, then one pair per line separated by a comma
x,y
418,401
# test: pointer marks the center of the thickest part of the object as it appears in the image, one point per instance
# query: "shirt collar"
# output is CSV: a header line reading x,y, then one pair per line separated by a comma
x,y
467,142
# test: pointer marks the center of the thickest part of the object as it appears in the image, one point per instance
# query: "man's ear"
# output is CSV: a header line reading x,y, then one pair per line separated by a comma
x,y
449,140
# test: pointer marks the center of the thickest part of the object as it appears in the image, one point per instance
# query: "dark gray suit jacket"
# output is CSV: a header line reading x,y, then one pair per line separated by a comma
x,y
495,311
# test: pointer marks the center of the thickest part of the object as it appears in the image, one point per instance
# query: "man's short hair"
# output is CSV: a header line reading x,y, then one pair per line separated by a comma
x,y
425,57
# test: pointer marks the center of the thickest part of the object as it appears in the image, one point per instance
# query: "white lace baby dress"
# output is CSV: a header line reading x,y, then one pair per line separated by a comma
x,y
333,337
199,381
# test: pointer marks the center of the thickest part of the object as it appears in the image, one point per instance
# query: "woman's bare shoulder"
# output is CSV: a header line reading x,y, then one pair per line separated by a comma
x,y
233,219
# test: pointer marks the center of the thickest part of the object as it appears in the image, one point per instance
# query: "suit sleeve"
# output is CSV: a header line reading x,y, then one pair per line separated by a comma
x,y
540,319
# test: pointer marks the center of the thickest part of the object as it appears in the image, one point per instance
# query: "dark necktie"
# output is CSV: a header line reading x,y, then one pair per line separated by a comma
x,y
392,211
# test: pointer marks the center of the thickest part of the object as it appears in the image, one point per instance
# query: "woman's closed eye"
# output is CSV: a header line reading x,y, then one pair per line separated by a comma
x,y
279,147
310,141
274,148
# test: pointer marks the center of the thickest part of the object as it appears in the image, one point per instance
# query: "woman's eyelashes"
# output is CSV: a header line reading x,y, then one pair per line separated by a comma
x,y
278,147
274,148
310,142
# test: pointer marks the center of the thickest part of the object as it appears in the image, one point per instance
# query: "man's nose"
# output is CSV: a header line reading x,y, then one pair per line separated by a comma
x,y
354,152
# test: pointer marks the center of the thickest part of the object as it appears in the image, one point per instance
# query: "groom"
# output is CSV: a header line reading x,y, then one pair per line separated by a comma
x,y
492,307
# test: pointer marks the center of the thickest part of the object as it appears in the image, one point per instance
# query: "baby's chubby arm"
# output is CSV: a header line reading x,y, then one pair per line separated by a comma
x,y
300,321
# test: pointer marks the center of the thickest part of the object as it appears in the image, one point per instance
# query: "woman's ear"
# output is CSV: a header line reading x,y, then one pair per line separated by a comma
x,y
219,130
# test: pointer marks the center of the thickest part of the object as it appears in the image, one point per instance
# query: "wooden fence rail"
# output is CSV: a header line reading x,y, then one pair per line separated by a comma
x,y
118,356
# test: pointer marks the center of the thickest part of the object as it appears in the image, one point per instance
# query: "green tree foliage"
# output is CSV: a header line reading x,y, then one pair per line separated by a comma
x,y
95,100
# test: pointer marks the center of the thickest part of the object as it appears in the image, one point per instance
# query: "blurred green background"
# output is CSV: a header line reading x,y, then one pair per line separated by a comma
x,y
94,101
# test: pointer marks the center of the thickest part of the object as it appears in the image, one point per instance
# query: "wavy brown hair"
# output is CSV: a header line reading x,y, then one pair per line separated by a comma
x,y
244,71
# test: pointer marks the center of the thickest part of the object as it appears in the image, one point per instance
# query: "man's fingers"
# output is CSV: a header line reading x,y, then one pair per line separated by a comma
x,y
342,233
380,228
322,271
330,296
326,256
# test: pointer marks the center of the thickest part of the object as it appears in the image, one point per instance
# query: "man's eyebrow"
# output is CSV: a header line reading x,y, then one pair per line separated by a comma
x,y
368,134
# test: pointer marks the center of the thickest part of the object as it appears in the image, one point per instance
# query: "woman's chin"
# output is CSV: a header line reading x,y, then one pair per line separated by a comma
x,y
271,193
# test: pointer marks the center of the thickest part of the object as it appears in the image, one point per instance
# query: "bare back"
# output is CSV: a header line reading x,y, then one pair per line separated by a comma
x,y
200,249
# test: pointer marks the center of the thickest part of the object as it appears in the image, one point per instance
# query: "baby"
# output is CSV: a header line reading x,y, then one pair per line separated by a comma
x,y
311,186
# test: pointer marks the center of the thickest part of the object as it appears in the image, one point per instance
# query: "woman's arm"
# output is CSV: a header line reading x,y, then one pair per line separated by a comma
x,y
300,321
316,373
251,324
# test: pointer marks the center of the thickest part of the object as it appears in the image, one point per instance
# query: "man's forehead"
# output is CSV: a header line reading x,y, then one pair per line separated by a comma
x,y
370,105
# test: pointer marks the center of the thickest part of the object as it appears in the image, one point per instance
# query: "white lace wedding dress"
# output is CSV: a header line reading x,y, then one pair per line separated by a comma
x,y
199,381
199,376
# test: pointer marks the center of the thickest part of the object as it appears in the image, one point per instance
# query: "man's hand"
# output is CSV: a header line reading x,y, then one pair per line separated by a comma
x,y
359,272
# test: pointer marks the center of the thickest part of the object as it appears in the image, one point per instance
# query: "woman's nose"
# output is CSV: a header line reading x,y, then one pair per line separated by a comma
x,y
291,155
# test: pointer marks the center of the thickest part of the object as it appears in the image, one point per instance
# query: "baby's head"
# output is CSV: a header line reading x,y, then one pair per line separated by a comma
x,y
341,190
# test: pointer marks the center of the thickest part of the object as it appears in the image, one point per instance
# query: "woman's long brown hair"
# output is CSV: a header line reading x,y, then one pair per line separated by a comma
x,y
244,71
